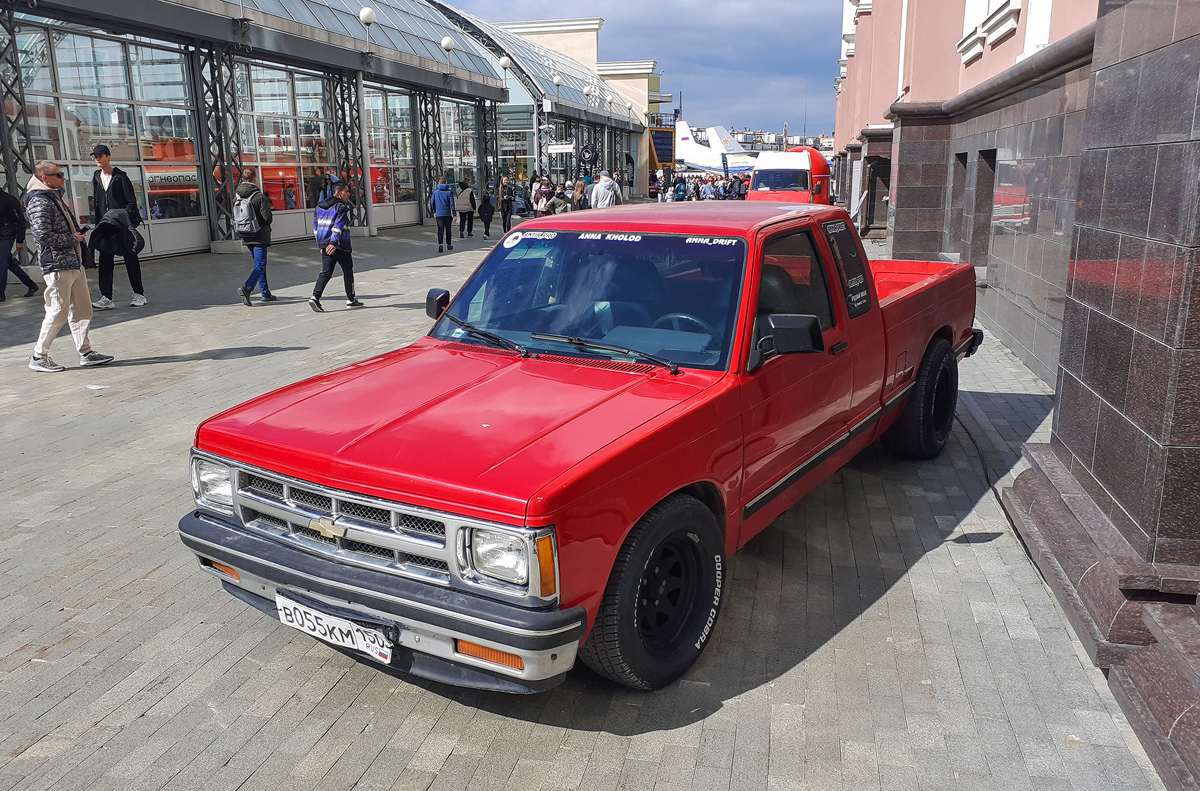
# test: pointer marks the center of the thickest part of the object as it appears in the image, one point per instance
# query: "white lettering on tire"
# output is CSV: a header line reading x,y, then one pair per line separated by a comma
x,y
716,605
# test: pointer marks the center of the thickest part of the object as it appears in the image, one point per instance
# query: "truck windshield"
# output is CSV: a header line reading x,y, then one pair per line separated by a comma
x,y
780,180
672,296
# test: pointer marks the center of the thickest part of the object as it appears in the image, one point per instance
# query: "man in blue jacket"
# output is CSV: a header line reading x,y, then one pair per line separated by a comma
x,y
442,205
331,224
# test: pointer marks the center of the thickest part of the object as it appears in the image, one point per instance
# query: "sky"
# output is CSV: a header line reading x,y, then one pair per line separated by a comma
x,y
738,63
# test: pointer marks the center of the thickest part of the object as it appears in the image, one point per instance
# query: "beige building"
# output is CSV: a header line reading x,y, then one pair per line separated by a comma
x,y
634,84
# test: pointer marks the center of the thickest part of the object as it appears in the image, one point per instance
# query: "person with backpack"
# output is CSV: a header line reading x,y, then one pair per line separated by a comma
x,y
465,205
541,198
606,192
486,212
560,203
680,189
252,222
579,199
331,226
441,206
112,189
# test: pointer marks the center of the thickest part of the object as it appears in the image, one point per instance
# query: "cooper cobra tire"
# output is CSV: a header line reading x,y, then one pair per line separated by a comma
x,y
662,599
922,431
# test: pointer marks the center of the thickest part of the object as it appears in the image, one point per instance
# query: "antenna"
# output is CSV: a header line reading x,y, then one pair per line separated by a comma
x,y
805,132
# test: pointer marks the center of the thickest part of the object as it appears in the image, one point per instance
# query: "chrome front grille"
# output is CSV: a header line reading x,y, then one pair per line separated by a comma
x,y
393,537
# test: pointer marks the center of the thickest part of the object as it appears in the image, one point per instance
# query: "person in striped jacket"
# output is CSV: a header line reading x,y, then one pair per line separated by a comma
x,y
331,225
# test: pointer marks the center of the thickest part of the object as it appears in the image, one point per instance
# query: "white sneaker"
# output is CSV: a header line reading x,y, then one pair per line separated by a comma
x,y
137,301
104,303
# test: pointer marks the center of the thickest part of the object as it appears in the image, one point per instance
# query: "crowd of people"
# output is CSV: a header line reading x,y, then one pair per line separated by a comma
x,y
65,249
698,188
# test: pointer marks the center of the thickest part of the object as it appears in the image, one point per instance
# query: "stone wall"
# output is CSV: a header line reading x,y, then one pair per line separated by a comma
x,y
1028,148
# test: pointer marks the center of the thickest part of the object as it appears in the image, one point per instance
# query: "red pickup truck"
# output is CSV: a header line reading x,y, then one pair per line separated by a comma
x,y
611,405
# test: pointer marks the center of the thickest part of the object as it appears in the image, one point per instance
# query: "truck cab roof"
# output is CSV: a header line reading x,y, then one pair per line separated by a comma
x,y
707,218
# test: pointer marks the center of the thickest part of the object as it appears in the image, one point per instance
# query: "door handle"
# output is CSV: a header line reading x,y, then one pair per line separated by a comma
x,y
839,347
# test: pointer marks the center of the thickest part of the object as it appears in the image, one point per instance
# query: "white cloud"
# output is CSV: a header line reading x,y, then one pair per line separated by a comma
x,y
737,62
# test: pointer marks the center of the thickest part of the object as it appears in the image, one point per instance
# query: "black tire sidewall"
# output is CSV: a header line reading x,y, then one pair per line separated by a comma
x,y
939,359
689,516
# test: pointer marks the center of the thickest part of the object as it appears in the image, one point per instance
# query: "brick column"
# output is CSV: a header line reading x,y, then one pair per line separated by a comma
x,y
1111,508
917,210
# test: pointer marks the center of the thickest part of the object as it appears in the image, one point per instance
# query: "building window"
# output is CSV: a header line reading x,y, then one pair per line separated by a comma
x,y
286,133
390,145
459,141
86,90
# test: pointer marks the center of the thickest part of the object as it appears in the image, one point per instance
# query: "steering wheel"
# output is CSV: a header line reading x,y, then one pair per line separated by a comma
x,y
675,319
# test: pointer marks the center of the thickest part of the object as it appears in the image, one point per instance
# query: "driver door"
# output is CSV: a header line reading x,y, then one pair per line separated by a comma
x,y
794,406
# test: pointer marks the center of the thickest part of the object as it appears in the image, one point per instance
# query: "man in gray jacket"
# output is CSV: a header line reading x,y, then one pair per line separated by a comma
x,y
60,254
606,192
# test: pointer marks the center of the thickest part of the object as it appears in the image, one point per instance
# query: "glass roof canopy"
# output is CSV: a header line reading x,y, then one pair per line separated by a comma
x,y
542,64
411,26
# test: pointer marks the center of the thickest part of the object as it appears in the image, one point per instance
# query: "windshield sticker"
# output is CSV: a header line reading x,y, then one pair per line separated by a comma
x,y
709,240
516,237
591,236
835,227
622,237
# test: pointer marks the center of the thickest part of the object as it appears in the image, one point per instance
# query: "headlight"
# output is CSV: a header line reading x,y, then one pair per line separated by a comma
x,y
212,485
501,556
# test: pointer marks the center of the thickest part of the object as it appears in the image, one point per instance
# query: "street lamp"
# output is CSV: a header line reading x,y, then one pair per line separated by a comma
x,y
366,15
505,62
448,44
558,81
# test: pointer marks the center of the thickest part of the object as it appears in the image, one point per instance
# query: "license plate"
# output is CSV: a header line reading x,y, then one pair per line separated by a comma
x,y
334,630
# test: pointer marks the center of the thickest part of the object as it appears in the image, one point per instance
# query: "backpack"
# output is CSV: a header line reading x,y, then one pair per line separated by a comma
x,y
245,218
680,191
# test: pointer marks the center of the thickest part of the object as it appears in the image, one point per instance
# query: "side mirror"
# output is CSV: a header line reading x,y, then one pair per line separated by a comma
x,y
817,188
436,302
795,333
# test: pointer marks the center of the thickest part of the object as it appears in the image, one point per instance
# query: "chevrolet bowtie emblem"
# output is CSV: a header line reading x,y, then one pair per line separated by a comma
x,y
326,527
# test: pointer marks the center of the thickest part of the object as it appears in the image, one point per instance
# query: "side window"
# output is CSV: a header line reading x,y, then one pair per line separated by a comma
x,y
854,270
793,280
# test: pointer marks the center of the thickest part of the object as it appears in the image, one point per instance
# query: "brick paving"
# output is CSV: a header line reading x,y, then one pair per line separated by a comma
x,y
887,633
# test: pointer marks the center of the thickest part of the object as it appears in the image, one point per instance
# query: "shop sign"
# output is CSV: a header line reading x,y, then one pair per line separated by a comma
x,y
560,148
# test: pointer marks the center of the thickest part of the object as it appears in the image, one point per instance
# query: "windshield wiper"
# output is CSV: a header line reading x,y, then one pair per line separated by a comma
x,y
489,336
608,347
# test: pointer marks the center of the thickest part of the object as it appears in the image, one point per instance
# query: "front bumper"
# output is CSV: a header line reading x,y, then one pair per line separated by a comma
x,y
425,619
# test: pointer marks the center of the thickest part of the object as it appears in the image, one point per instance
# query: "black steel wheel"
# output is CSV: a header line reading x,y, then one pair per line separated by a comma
x,y
663,597
923,429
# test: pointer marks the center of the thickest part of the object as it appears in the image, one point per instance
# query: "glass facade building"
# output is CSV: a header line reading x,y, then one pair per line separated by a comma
x,y
186,98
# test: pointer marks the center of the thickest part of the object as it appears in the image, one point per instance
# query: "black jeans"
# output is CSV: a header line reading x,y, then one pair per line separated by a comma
x,y
446,226
10,263
133,268
343,259
506,217
487,226
466,221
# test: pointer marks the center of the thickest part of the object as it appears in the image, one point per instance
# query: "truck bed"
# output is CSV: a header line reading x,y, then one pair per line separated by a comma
x,y
919,299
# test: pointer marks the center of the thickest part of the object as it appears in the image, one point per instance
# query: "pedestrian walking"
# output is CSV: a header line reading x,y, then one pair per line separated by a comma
x,y
331,226
486,212
560,203
464,204
579,199
441,205
508,196
252,220
60,254
112,189
606,192
541,198
12,231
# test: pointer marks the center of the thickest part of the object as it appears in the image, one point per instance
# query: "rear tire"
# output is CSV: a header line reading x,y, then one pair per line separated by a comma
x,y
922,431
662,599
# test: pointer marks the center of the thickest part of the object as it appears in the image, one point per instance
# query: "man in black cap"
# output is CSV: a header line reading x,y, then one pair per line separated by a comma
x,y
112,189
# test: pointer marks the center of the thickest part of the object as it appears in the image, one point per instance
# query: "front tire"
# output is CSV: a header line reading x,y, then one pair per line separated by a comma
x,y
663,597
923,430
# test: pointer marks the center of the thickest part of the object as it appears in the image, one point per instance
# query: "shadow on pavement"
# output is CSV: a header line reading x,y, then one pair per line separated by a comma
x,y
812,573
234,353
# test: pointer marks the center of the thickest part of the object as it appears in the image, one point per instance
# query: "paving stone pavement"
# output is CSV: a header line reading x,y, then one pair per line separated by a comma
x,y
889,632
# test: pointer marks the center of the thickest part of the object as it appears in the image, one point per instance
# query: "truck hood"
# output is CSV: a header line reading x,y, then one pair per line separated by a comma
x,y
449,426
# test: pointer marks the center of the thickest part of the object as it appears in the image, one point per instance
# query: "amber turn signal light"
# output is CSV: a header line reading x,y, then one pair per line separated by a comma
x,y
490,654
228,571
545,550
